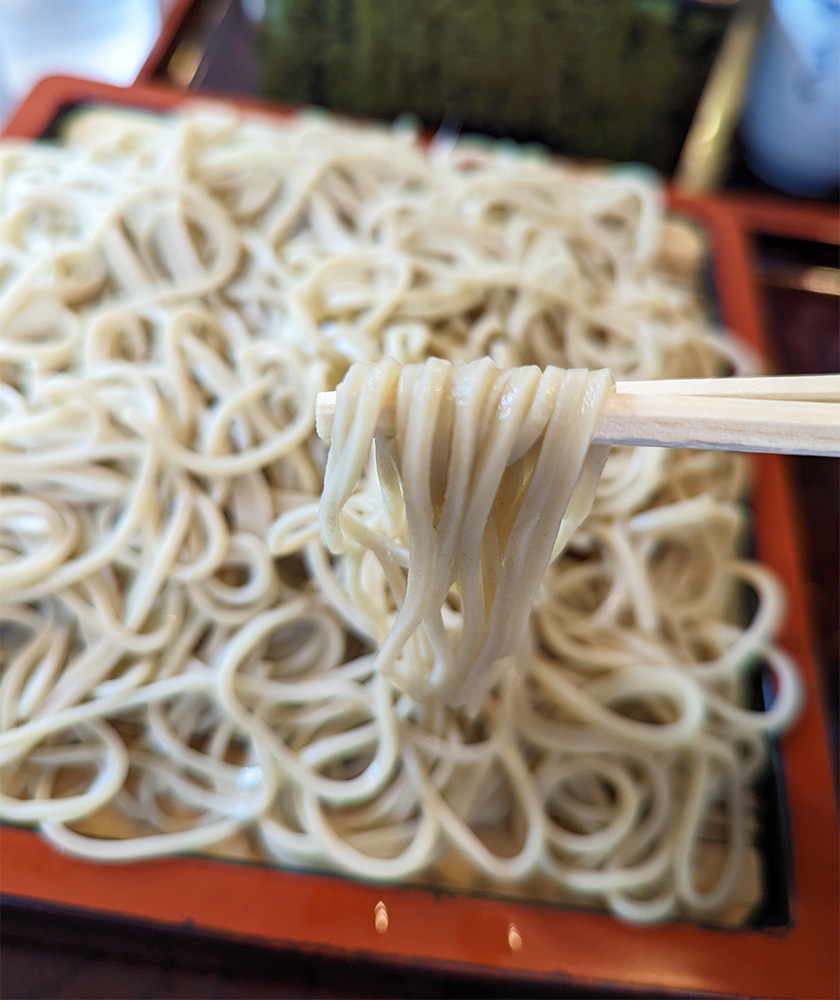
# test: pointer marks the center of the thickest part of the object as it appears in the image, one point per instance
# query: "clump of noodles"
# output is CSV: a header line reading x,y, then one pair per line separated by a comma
x,y
485,475
182,659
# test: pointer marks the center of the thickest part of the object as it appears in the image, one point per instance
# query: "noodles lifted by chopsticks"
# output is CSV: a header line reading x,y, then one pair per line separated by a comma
x,y
182,657
487,473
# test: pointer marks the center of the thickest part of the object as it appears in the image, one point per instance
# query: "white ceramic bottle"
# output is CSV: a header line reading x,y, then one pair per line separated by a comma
x,y
791,123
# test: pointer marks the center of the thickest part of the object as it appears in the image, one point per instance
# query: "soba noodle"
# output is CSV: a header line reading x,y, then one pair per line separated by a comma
x,y
486,475
183,657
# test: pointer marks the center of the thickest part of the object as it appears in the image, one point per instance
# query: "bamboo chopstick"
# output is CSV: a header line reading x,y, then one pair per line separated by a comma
x,y
805,388
789,415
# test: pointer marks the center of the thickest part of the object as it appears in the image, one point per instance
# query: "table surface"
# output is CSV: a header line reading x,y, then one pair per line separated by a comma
x,y
46,953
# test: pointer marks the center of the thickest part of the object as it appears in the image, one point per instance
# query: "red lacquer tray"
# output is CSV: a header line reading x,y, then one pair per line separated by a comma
x,y
441,930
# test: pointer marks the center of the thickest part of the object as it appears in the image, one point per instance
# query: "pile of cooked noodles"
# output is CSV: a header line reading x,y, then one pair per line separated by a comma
x,y
180,648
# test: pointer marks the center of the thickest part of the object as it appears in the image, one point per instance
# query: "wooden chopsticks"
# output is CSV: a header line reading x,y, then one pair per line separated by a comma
x,y
786,414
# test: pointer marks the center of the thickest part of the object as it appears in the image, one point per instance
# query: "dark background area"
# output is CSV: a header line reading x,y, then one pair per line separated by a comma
x,y
70,956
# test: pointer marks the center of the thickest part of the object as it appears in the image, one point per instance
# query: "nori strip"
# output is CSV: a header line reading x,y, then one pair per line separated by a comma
x,y
614,79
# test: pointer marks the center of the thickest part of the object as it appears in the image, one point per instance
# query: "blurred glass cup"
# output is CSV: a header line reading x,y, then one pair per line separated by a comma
x,y
791,123
102,39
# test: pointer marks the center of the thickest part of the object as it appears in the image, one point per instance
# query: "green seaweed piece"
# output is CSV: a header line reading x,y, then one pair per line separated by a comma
x,y
605,79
